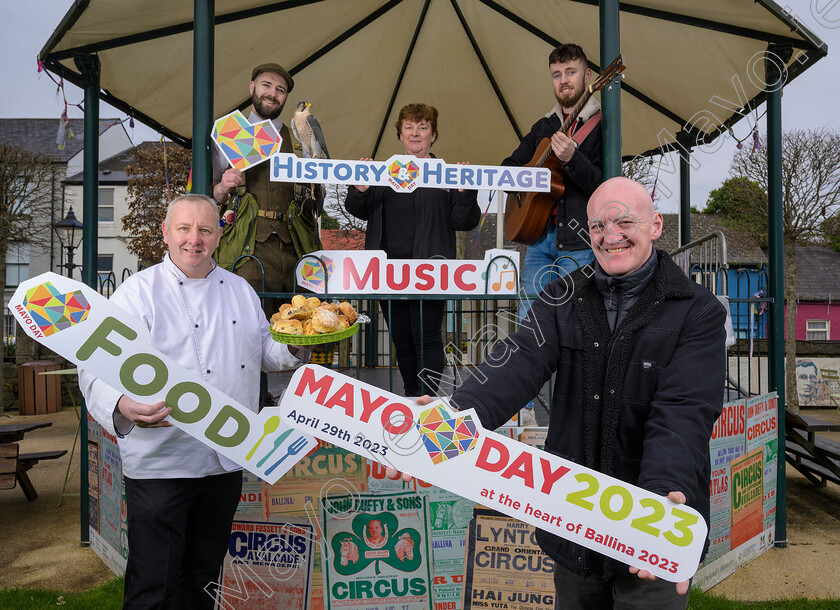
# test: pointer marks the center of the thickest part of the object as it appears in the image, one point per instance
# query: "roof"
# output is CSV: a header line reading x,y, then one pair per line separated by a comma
x,y
39,135
691,66
817,273
741,249
342,239
112,170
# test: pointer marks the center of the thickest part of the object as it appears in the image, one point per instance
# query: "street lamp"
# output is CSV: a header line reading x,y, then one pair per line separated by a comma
x,y
69,231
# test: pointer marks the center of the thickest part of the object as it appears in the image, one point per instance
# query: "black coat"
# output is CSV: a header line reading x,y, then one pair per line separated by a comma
x,y
581,176
638,404
438,213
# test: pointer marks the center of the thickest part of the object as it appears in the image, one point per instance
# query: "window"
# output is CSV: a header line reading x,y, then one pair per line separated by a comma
x,y
17,263
104,266
816,330
9,326
106,205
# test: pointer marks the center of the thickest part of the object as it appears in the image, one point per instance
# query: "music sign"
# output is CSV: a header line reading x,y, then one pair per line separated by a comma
x,y
371,272
453,451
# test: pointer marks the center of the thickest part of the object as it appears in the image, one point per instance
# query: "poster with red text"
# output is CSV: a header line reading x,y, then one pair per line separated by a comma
x,y
324,471
505,567
268,565
747,496
763,431
376,552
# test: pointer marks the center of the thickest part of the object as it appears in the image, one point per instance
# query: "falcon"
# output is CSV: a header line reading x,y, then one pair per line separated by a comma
x,y
307,130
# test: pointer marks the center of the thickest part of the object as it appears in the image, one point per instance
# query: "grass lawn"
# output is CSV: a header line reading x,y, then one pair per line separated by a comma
x,y
109,596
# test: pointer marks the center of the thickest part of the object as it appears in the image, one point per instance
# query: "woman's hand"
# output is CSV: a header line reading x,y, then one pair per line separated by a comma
x,y
462,163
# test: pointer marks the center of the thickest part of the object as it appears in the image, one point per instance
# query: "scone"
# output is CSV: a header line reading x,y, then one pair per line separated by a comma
x,y
347,309
299,313
288,327
298,301
313,302
330,307
324,321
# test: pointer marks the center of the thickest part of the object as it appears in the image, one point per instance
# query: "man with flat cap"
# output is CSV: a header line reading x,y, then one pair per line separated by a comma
x,y
267,236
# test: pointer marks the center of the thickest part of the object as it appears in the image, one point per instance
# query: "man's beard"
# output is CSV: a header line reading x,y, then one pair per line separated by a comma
x,y
571,102
264,112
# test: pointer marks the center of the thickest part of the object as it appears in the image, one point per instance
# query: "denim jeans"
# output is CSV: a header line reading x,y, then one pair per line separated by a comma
x,y
543,263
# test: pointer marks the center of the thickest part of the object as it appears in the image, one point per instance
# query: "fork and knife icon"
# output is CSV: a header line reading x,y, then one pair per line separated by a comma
x,y
294,447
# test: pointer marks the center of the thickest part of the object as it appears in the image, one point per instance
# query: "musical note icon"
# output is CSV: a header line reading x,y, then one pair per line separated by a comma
x,y
509,286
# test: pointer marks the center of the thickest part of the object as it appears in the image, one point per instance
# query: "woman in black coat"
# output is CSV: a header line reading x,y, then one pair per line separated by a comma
x,y
419,224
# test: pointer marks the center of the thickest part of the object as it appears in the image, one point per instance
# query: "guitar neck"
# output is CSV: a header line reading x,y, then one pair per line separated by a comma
x,y
573,115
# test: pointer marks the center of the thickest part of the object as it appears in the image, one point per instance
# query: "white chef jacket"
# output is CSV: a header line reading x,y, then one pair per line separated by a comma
x,y
212,326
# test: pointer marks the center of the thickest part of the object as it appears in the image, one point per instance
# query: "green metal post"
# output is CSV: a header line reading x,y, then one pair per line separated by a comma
x,y
685,189
776,279
611,95
203,39
88,66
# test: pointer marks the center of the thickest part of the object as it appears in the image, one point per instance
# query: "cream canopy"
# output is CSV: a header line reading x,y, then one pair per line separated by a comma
x,y
482,63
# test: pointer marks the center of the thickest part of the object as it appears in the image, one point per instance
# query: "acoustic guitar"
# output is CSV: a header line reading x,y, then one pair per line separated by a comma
x,y
526,213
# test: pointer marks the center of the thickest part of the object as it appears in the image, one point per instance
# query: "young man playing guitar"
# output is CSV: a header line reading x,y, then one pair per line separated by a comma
x,y
579,160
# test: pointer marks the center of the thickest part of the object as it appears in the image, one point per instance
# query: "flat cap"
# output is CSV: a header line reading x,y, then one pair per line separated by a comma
x,y
274,68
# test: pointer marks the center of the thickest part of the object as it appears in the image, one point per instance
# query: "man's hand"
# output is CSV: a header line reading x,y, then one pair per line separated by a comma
x,y
682,587
301,352
231,179
563,146
144,416
393,473
362,187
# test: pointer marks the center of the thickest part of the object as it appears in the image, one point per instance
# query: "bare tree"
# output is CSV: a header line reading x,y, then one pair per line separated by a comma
x,y
345,226
26,181
641,170
811,205
149,193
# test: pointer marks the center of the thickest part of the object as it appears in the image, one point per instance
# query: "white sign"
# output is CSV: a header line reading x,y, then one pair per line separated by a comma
x,y
453,451
75,321
370,272
404,173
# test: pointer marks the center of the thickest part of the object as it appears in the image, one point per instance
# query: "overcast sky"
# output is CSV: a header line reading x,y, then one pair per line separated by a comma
x,y
811,101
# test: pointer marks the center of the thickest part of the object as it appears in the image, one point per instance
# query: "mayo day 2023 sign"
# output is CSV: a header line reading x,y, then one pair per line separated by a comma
x,y
405,173
453,451
357,272
75,321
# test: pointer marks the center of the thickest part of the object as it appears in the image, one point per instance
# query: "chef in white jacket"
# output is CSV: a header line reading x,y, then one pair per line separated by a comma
x,y
180,494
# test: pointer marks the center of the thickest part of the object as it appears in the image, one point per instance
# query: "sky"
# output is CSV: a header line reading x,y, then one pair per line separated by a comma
x,y
809,102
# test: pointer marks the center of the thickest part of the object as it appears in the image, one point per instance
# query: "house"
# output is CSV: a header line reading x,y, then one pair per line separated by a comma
x,y
745,278
113,256
40,135
817,294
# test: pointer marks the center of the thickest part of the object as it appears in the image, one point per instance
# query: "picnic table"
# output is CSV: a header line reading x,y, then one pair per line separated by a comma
x,y
12,433
15,465
815,456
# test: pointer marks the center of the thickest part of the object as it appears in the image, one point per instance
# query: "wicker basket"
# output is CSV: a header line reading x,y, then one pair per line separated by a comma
x,y
314,339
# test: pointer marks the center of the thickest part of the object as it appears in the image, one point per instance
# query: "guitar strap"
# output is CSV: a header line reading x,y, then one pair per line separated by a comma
x,y
580,135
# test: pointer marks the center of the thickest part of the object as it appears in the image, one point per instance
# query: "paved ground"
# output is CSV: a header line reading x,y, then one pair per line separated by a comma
x,y
41,540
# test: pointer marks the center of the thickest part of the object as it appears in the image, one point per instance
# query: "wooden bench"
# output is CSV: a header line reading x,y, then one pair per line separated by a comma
x,y
14,467
816,457
804,462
